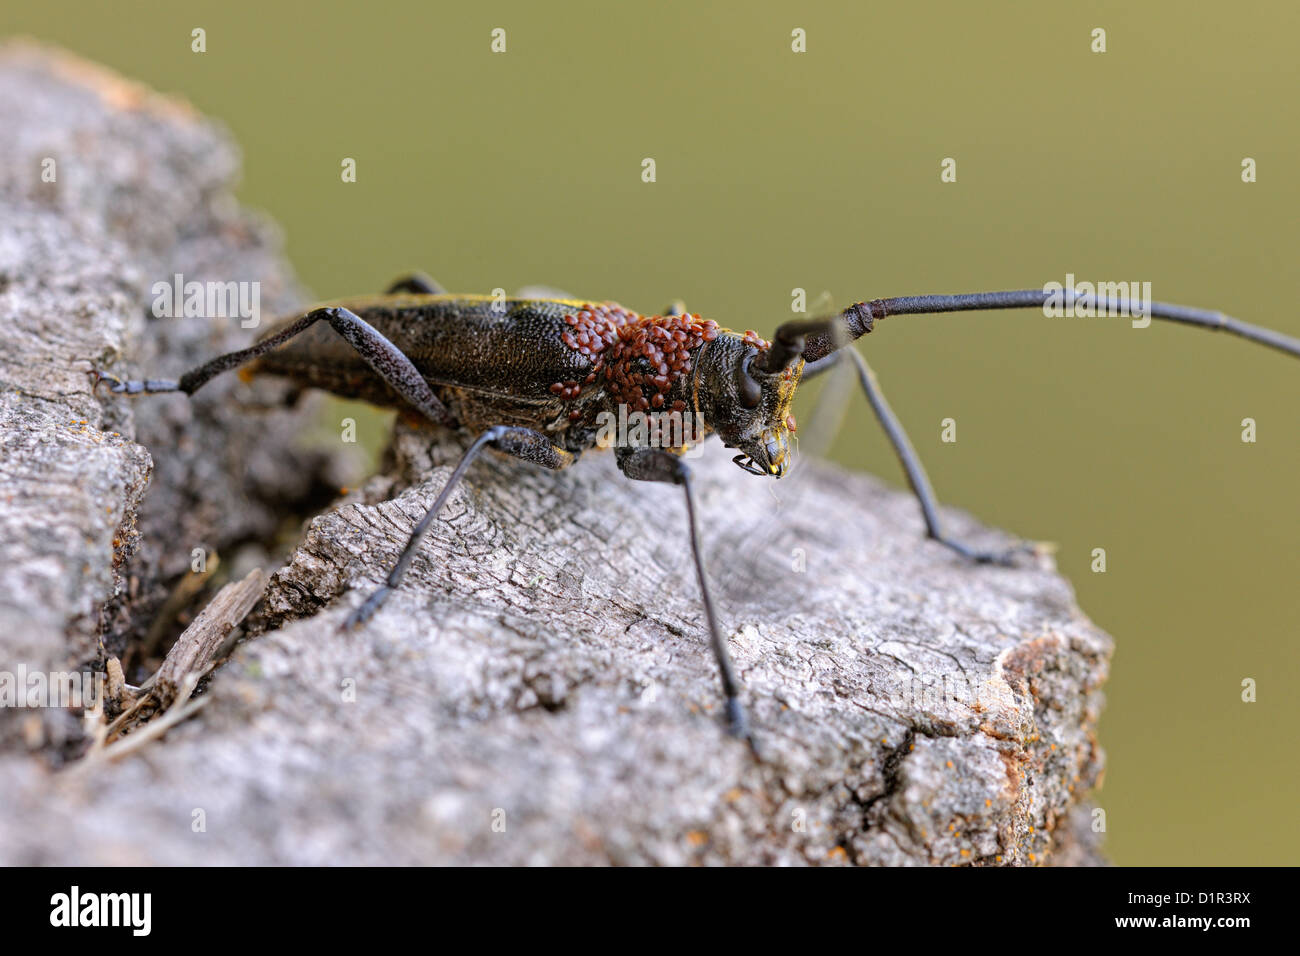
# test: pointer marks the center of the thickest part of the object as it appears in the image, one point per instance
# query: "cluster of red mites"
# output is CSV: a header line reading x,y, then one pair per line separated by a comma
x,y
644,354
662,343
651,355
592,329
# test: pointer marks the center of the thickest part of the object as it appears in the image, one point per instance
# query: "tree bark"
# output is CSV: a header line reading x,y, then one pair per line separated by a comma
x,y
540,689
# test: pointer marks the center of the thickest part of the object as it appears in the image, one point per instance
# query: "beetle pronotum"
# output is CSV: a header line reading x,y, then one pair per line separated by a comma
x,y
539,378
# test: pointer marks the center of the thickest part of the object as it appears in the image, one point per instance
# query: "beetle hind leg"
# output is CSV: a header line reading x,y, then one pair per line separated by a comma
x,y
384,358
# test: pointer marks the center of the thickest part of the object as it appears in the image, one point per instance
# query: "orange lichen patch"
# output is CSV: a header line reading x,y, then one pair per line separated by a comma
x,y
115,90
697,838
949,764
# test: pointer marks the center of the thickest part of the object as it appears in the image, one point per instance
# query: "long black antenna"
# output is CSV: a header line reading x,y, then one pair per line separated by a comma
x,y
817,338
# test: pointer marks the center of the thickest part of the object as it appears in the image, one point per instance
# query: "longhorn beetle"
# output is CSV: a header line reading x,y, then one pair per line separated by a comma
x,y
537,378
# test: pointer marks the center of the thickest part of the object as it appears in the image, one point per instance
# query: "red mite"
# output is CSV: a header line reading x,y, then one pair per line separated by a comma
x,y
545,379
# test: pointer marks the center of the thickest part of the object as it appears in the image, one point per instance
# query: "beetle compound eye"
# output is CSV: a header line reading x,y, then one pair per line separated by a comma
x,y
751,393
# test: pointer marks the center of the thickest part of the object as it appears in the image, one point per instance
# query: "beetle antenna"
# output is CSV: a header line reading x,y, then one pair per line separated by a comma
x,y
816,338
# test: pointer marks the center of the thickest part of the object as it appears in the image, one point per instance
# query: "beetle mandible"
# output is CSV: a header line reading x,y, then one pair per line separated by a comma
x,y
542,379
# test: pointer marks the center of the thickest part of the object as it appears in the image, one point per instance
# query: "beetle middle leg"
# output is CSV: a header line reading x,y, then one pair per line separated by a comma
x,y
385,358
656,464
521,443
907,457
416,282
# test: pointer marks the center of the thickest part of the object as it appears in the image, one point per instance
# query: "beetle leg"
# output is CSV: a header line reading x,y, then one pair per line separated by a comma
x,y
655,464
520,442
916,476
387,360
416,282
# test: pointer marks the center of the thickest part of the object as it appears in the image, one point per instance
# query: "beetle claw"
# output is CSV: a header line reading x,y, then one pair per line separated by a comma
x,y
115,384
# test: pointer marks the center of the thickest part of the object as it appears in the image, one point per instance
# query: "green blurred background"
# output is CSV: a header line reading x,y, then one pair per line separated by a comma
x,y
821,170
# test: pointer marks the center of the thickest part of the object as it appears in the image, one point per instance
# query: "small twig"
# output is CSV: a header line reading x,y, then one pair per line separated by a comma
x,y
180,709
189,586
125,716
188,662
194,649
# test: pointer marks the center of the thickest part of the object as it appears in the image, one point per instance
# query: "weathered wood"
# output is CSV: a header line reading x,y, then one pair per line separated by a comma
x,y
539,690
198,644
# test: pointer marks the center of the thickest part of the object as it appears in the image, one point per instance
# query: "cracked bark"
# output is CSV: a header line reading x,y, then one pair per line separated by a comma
x,y
539,690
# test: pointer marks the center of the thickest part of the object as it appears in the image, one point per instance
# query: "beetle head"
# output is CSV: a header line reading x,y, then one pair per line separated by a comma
x,y
748,407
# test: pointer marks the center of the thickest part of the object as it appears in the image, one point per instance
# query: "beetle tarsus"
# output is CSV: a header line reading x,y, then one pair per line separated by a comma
x,y
1006,558
148,386
367,608
738,726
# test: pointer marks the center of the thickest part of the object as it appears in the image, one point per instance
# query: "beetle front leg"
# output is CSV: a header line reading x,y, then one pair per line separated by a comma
x,y
655,464
916,476
523,443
